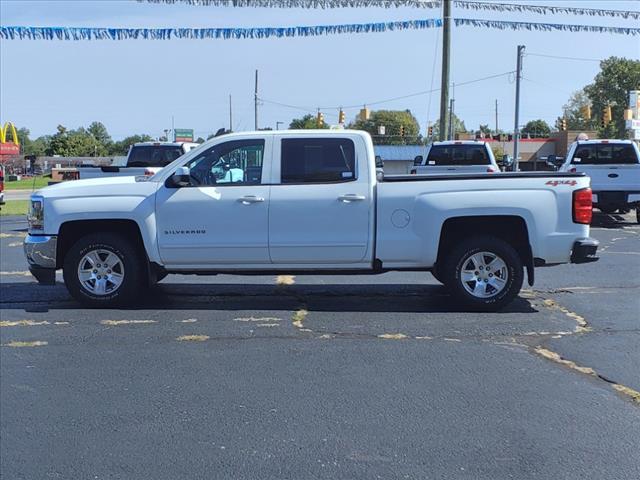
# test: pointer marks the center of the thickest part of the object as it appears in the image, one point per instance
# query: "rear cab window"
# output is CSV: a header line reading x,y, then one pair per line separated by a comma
x,y
153,155
605,154
317,160
458,155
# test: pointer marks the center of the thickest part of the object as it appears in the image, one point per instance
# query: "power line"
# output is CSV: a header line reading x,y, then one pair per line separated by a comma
x,y
564,58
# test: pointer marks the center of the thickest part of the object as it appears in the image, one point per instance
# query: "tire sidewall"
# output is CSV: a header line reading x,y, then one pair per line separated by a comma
x,y
502,250
114,244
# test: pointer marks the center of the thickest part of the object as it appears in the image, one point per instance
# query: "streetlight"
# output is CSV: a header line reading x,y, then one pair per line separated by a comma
x,y
278,125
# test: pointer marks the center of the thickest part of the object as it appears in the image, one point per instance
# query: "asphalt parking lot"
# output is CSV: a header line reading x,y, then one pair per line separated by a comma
x,y
325,376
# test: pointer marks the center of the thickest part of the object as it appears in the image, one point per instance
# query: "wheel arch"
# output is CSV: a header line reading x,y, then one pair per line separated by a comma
x,y
510,228
70,232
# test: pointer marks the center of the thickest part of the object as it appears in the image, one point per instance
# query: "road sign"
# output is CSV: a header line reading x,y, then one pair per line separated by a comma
x,y
183,135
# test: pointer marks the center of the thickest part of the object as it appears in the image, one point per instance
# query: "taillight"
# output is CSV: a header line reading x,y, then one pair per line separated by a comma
x,y
490,170
148,173
573,170
582,208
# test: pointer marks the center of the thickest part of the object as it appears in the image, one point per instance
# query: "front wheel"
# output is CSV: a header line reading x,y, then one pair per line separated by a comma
x,y
103,270
484,273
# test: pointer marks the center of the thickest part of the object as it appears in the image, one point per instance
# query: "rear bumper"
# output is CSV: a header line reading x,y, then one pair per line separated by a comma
x,y
584,250
40,251
615,198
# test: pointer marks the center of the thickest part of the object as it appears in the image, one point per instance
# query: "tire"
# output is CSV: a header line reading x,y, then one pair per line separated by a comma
x,y
117,281
484,291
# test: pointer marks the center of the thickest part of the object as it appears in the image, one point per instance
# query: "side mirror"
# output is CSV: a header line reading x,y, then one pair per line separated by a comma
x,y
417,161
555,161
181,177
379,162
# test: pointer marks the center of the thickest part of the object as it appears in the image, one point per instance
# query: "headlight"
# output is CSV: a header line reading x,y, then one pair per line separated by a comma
x,y
36,213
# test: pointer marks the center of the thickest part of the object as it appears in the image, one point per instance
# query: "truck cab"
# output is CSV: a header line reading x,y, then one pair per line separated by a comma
x,y
459,156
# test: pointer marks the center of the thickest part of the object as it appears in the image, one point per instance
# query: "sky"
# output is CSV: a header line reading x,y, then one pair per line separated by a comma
x,y
138,86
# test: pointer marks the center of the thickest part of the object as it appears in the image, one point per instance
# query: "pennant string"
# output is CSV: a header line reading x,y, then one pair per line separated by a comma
x,y
545,9
323,4
91,33
466,4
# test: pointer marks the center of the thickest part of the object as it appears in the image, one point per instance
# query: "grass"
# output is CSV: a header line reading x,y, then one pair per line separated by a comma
x,y
27,183
14,207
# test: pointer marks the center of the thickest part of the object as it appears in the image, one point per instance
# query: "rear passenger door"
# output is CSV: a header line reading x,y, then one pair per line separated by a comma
x,y
321,204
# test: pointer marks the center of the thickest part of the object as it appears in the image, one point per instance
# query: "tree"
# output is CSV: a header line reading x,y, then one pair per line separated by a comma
x,y
200,140
122,147
610,87
536,129
485,130
308,122
395,122
458,125
98,131
574,112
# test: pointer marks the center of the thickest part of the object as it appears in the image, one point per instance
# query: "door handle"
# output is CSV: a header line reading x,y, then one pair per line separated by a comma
x,y
249,199
351,197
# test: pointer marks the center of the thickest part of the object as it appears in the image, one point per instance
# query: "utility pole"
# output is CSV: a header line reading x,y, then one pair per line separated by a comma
x,y
444,84
516,128
255,102
496,116
451,129
230,115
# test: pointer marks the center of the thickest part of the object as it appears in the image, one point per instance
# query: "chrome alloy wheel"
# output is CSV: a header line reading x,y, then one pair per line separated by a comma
x,y
484,274
101,272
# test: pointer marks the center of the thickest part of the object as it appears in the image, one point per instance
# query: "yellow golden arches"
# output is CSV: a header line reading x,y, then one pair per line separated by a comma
x,y
9,127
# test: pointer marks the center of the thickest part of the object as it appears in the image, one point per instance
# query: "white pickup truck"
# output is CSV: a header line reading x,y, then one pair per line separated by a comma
x,y
306,202
144,158
614,168
459,156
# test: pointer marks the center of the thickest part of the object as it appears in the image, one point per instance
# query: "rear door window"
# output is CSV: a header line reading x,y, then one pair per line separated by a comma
x,y
153,155
458,155
318,160
605,154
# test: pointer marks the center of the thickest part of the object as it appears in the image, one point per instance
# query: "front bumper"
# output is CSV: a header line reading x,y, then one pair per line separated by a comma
x,y
40,251
584,250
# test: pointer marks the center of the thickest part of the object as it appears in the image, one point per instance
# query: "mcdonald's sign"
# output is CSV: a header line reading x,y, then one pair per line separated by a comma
x,y
9,147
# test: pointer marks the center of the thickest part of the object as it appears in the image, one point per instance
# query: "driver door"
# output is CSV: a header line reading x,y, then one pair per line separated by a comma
x,y
222,217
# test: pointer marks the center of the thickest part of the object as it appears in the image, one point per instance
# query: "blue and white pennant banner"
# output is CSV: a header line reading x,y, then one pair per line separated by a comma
x,y
97,33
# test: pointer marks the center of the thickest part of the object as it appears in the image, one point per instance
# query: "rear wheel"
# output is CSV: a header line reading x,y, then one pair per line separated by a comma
x,y
104,270
484,273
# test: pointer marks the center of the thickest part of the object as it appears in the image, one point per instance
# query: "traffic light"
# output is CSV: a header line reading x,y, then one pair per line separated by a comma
x,y
586,112
320,119
402,130
341,117
563,124
430,134
606,117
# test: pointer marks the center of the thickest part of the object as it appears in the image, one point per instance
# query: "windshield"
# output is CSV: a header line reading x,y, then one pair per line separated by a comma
x,y
153,155
458,155
605,154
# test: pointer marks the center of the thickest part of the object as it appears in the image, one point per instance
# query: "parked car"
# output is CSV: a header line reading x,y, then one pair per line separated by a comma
x,y
464,156
1,185
144,158
614,168
308,201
